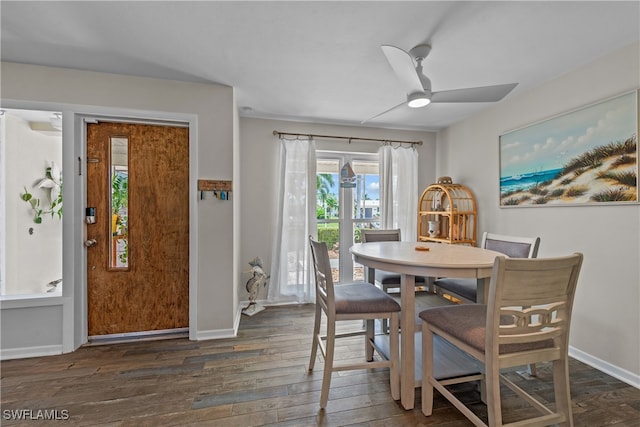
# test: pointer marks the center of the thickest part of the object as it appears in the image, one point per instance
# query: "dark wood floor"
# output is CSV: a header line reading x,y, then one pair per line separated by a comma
x,y
258,378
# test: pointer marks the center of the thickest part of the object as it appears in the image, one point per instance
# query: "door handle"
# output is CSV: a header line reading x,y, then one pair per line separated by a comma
x,y
90,242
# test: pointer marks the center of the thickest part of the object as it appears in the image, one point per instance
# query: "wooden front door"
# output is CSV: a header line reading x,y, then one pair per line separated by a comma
x,y
138,247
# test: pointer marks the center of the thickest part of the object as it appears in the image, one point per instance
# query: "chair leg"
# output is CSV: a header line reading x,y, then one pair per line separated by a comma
x,y
427,370
328,362
394,356
384,323
368,338
314,342
532,366
494,404
561,390
431,287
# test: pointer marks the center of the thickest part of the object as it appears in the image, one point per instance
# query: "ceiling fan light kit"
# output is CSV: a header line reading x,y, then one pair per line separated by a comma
x,y
418,99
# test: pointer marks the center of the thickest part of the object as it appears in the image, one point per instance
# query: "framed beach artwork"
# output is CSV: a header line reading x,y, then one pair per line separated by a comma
x,y
585,157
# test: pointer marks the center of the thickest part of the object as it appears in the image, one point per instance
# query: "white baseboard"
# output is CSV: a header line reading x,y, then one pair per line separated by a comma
x,y
609,369
222,333
25,352
215,334
236,320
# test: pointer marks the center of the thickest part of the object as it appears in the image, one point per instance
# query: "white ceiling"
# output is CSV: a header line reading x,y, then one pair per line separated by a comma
x,y
321,61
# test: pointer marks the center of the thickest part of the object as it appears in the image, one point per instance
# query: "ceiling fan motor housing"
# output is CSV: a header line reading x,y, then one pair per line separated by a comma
x,y
420,52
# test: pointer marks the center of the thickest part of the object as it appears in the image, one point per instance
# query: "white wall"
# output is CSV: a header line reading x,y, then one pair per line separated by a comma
x,y
258,162
33,259
210,107
606,316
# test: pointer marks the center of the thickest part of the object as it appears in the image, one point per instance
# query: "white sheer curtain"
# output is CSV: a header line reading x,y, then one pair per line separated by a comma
x,y
399,189
291,268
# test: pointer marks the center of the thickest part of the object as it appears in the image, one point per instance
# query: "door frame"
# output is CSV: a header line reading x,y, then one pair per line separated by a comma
x,y
80,127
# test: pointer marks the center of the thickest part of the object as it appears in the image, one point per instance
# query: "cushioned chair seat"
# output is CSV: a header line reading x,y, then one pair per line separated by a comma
x,y
387,279
466,288
467,323
361,297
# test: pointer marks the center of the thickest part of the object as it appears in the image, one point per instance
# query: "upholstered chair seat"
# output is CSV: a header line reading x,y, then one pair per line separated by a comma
x,y
361,297
467,323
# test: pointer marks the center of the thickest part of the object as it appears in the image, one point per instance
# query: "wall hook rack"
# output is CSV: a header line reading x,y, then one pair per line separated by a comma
x,y
221,189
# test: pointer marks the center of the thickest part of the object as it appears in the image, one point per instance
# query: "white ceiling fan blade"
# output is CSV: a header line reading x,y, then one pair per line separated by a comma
x,y
403,66
384,112
474,94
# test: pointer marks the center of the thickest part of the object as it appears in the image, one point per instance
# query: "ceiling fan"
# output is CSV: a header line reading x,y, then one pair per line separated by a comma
x,y
418,86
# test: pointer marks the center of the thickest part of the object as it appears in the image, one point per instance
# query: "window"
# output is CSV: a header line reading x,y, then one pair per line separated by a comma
x,y
30,203
119,175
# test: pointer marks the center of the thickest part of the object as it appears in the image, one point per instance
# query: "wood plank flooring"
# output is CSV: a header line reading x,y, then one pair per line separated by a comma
x,y
257,378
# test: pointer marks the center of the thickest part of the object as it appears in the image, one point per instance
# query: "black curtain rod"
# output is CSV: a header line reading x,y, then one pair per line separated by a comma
x,y
349,138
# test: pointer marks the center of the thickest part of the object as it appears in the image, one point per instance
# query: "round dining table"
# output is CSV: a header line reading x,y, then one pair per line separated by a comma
x,y
431,260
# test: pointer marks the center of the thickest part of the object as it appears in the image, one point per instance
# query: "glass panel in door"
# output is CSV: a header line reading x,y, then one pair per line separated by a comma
x,y
119,176
328,210
343,212
366,204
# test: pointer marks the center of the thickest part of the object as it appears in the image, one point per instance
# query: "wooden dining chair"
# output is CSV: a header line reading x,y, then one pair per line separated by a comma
x,y
351,301
384,279
503,334
465,290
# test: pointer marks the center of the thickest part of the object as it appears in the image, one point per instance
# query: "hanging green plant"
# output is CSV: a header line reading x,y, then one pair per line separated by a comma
x,y
52,182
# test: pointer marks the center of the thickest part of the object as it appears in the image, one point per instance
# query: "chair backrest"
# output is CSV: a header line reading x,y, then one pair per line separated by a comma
x,y
373,235
530,301
511,246
324,280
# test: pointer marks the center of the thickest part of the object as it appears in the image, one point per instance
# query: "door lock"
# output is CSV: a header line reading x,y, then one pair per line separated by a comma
x,y
90,242
90,215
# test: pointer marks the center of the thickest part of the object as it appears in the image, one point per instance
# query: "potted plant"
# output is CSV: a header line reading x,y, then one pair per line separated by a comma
x,y
52,182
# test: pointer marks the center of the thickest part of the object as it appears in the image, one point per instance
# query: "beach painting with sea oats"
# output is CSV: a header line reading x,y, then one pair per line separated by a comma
x,y
587,156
